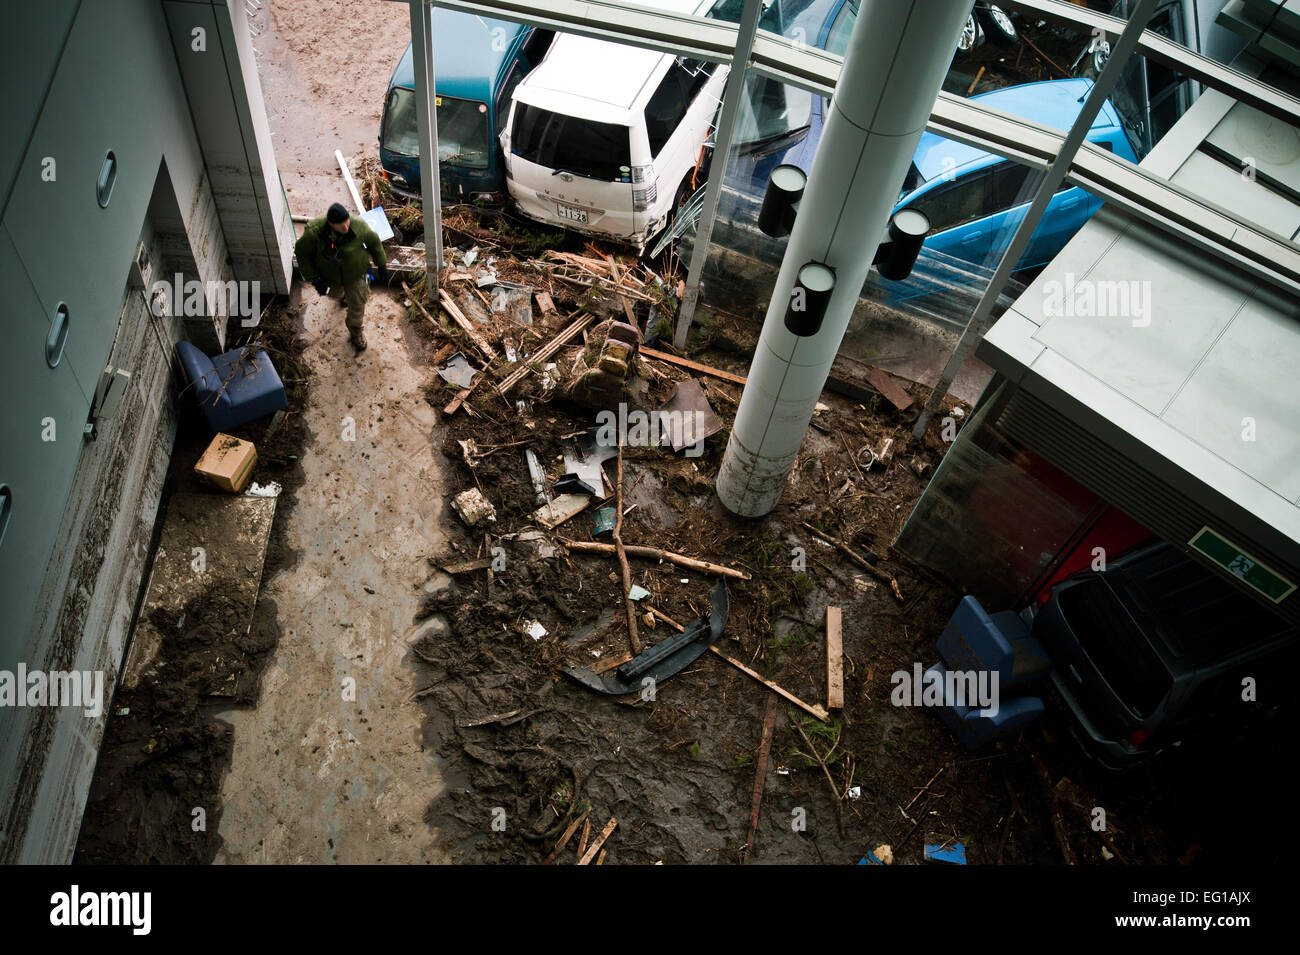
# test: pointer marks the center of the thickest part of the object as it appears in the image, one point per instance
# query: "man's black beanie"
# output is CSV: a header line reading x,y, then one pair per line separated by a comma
x,y
337,214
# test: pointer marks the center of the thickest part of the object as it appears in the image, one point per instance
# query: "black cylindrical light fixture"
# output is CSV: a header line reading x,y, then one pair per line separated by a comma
x,y
907,231
809,298
784,188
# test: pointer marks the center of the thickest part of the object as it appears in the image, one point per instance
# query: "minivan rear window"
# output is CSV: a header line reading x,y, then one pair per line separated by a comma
x,y
1115,645
569,144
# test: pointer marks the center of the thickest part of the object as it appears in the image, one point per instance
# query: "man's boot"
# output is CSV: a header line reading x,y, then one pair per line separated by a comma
x,y
358,337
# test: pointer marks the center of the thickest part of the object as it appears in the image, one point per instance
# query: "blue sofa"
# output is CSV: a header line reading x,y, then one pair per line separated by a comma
x,y
236,387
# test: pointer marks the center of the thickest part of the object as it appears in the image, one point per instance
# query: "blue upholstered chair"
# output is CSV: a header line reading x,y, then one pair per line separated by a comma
x,y
1000,643
236,387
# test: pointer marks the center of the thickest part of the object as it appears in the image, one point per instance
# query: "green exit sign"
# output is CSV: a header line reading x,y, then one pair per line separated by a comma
x,y
1236,561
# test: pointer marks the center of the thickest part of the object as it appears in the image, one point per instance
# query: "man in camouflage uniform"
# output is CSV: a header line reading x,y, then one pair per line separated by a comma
x,y
334,254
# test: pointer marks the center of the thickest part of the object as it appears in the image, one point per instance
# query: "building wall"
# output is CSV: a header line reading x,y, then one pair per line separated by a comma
x,y
93,77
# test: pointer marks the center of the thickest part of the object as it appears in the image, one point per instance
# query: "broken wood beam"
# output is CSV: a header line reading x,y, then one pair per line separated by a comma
x,y
834,659
584,838
466,325
809,708
543,353
632,637
564,839
693,365
599,841
849,552
636,550
760,776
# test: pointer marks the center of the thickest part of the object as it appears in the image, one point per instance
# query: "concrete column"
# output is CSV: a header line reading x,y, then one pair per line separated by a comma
x,y
427,124
897,57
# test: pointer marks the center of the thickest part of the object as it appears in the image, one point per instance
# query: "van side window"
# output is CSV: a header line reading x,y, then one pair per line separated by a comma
x,y
535,47
667,107
955,202
513,79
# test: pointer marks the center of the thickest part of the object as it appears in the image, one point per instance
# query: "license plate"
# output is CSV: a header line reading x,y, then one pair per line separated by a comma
x,y
571,213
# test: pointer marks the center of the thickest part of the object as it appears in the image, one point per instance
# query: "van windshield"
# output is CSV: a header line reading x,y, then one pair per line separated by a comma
x,y
463,133
569,144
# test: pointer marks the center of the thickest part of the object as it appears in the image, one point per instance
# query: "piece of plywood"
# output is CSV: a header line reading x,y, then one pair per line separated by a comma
x,y
560,509
834,659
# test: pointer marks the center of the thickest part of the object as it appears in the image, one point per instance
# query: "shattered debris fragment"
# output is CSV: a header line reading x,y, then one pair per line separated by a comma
x,y
473,508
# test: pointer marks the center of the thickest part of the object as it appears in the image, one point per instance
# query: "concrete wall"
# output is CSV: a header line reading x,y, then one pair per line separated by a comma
x,y
88,78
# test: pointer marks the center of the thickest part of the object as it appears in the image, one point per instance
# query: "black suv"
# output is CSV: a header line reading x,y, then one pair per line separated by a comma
x,y
1156,649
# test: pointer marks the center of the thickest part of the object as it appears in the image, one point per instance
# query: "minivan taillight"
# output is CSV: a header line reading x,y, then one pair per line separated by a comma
x,y
645,187
1138,738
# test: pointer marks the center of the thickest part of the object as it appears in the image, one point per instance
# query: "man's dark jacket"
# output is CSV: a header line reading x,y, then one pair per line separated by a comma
x,y
338,259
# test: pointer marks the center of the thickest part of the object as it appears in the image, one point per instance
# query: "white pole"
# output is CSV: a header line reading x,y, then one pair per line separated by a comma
x,y
731,97
897,57
427,119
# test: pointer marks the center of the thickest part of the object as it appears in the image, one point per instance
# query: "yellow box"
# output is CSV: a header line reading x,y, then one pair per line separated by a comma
x,y
227,463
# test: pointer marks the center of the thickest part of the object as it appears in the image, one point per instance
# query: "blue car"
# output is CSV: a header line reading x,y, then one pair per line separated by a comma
x,y
973,198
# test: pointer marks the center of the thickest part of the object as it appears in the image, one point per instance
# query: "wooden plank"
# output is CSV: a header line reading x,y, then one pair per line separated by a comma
x,y
558,510
618,280
883,383
459,317
809,708
760,776
453,406
544,302
584,838
543,353
693,365
610,662
600,841
564,839
834,659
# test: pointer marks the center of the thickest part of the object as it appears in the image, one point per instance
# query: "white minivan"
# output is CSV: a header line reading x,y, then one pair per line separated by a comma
x,y
606,139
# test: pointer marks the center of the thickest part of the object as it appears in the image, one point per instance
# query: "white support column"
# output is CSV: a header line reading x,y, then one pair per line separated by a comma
x,y
893,68
731,97
427,119
981,318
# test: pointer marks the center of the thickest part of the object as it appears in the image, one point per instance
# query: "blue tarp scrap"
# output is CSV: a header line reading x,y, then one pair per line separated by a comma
x,y
954,853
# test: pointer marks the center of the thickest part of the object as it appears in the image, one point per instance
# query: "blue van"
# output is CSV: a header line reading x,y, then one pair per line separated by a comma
x,y
477,61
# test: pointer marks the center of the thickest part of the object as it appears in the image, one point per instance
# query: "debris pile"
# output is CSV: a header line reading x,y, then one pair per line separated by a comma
x,y
606,634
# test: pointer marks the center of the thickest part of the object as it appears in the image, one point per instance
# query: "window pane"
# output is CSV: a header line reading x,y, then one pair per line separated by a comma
x,y
953,204
401,131
579,146
462,132
667,108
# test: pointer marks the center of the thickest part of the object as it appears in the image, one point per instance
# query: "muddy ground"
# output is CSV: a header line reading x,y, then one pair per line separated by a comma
x,y
164,753
677,772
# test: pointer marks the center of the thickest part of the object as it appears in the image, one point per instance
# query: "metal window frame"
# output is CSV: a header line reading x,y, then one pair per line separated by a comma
x,y
1139,192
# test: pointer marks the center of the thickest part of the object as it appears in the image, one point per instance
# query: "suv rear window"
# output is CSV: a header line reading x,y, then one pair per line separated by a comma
x,y
579,146
1115,644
